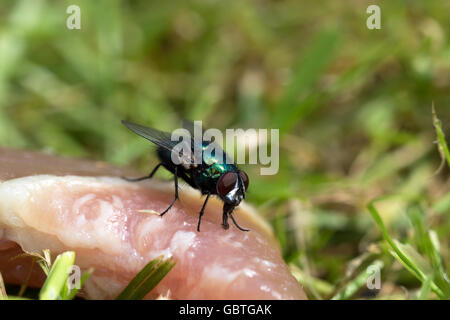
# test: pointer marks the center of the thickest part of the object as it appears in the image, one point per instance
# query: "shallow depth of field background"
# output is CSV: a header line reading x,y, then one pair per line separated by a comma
x,y
353,107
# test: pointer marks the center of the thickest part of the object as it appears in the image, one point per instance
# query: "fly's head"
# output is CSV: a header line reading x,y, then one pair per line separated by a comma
x,y
231,187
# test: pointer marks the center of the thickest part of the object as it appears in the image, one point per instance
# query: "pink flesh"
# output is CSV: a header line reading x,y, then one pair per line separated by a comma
x,y
98,219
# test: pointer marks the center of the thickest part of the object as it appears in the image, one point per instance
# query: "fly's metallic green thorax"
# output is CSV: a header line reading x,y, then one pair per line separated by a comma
x,y
216,170
216,165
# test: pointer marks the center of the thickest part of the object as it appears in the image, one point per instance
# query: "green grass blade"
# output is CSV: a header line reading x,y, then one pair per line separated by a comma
x,y
44,260
422,267
152,281
425,290
313,284
147,279
24,285
138,279
403,253
442,278
386,236
57,277
443,148
429,243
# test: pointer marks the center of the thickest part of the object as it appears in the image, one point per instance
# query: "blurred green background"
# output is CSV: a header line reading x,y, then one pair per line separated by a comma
x,y
353,107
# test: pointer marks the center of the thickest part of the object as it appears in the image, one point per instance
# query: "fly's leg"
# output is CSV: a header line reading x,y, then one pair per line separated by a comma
x,y
225,224
226,210
175,178
145,177
235,223
202,211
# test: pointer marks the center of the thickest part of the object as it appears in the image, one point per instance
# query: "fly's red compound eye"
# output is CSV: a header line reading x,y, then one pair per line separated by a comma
x,y
226,183
244,178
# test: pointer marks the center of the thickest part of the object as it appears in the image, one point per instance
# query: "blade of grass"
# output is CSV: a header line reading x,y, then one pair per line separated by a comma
x,y
399,252
425,290
147,279
319,285
423,268
429,243
24,285
442,278
44,260
152,281
138,279
57,277
442,145
415,215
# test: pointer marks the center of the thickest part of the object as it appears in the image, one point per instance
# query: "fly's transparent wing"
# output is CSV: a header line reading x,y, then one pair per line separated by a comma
x,y
160,138
163,139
